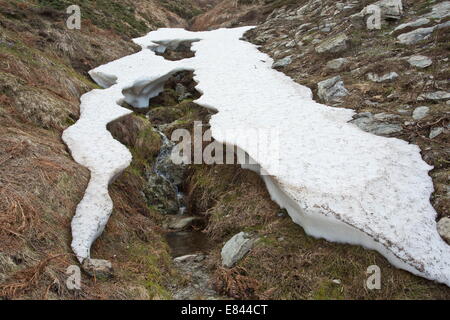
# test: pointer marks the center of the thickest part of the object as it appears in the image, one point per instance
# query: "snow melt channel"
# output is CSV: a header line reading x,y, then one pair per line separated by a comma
x,y
338,182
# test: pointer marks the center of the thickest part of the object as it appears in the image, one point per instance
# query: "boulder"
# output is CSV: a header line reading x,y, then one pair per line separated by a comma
x,y
335,44
236,248
375,124
409,26
100,269
420,34
332,90
420,62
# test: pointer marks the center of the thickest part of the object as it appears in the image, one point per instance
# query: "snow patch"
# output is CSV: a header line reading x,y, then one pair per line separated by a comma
x,y
338,182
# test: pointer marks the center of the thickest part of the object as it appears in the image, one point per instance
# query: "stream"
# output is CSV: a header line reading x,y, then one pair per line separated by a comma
x,y
188,245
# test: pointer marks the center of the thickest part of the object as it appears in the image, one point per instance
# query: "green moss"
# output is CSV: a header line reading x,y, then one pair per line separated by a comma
x,y
328,291
156,266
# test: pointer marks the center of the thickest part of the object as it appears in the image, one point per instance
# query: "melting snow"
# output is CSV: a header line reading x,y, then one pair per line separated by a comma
x,y
338,182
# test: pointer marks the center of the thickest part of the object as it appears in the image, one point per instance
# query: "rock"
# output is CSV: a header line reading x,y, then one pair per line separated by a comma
x,y
282,62
420,112
335,44
439,11
332,90
181,92
443,227
100,269
161,194
415,36
236,248
407,27
388,77
420,34
179,223
434,96
337,64
436,132
420,62
369,123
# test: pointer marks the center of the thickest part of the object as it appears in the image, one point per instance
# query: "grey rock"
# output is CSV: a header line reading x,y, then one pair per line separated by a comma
x,y
415,36
439,11
337,64
369,123
181,92
335,44
420,112
332,90
409,26
388,77
97,268
420,62
282,62
434,96
420,34
443,228
236,248
436,132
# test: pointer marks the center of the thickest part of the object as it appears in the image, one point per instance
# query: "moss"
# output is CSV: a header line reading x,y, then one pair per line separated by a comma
x,y
156,266
328,291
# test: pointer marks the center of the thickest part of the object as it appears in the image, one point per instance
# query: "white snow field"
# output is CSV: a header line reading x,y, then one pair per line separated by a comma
x,y
336,181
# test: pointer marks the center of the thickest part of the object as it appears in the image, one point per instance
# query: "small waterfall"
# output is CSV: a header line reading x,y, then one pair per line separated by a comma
x,y
168,171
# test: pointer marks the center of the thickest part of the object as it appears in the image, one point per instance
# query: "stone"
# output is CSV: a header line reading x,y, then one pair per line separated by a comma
x,y
420,62
439,11
282,62
436,132
369,123
434,96
409,26
443,227
236,248
420,34
101,269
388,77
337,64
415,36
335,44
420,112
332,90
